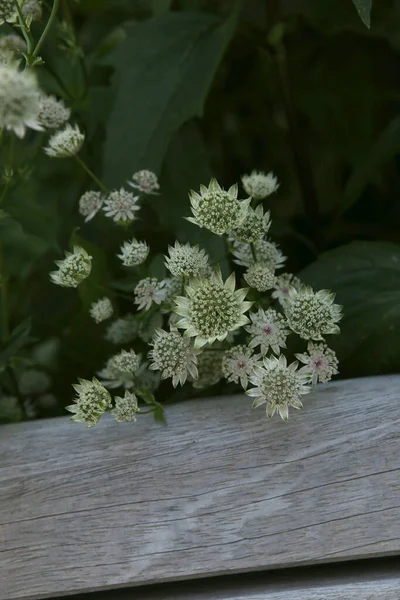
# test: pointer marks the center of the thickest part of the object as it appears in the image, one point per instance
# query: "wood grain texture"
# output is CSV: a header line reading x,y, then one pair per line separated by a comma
x,y
219,490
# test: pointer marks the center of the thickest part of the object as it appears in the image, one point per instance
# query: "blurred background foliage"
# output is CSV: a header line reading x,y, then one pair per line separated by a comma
x,y
199,88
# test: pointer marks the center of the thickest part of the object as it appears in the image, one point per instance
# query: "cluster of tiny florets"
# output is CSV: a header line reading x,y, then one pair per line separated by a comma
x,y
121,205
122,331
268,329
186,260
149,290
218,210
19,100
209,368
238,364
66,142
260,277
127,361
211,308
133,253
126,408
145,181
320,363
32,10
8,11
254,226
52,112
12,43
73,269
173,355
101,310
312,314
91,402
259,185
279,386
282,287
90,203
265,251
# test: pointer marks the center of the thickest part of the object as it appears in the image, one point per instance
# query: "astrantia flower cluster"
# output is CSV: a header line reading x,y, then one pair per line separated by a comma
x,y
90,203
91,402
52,112
101,310
149,290
260,185
133,253
186,260
121,205
174,356
65,143
145,181
19,99
73,269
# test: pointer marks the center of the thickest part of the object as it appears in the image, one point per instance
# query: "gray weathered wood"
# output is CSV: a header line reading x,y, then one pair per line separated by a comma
x,y
218,490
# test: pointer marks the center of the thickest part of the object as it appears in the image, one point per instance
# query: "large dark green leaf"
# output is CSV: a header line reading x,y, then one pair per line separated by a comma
x,y
366,279
364,10
163,71
19,337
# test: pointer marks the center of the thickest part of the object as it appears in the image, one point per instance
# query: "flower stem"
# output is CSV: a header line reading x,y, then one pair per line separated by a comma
x,y
47,28
253,251
91,174
30,42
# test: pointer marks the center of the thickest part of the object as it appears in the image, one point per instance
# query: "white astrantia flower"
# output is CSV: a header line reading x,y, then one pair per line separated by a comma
x,y
254,226
259,185
90,203
266,252
127,361
211,308
133,253
32,382
13,43
218,210
8,11
279,386
282,286
52,112
113,378
65,143
73,269
91,402
122,331
101,310
145,181
32,10
126,408
238,364
320,363
149,290
209,367
19,99
121,206
268,329
260,277
187,260
174,356
312,314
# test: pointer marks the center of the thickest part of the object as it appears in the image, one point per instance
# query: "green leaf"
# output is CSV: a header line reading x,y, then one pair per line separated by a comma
x,y
385,148
163,71
366,279
18,338
364,10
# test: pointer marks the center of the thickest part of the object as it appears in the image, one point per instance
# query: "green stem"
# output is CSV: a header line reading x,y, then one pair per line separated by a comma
x,y
92,175
253,251
47,28
30,42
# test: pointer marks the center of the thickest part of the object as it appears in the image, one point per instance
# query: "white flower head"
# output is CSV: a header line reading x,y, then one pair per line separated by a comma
x,y
187,260
320,363
268,329
121,206
73,269
101,310
282,286
8,11
122,331
266,252
52,112
19,99
126,408
260,277
133,253
238,364
312,314
145,181
259,185
90,203
13,43
66,142
279,386
91,402
254,226
114,378
127,361
32,10
174,356
211,308
218,210
149,290
32,382
209,366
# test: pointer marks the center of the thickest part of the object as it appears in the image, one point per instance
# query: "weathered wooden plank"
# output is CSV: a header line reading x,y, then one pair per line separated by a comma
x,y
219,490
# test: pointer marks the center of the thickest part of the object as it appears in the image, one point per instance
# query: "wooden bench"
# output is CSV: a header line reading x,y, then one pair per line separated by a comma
x,y
218,491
